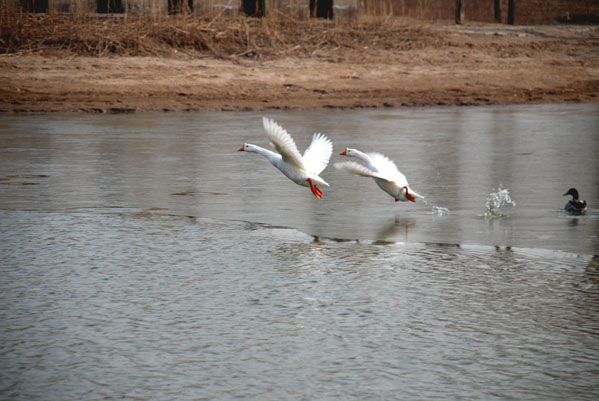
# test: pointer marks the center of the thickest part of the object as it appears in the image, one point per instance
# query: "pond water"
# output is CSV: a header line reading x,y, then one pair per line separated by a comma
x,y
143,257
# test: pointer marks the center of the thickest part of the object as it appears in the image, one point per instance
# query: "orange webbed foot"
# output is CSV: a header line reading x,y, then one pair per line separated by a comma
x,y
315,190
409,196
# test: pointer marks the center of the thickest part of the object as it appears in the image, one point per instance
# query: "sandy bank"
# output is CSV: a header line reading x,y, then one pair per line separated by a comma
x,y
467,65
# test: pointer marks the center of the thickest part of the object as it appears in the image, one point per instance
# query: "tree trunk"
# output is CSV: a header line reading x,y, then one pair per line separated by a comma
x,y
459,12
498,11
253,8
321,8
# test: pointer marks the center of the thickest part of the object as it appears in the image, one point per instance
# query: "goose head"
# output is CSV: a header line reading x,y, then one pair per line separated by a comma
x,y
247,147
348,152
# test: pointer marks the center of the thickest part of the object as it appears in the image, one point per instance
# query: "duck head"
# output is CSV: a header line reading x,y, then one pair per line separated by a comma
x,y
573,192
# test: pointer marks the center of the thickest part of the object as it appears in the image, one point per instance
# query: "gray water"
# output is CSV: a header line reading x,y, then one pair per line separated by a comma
x,y
143,257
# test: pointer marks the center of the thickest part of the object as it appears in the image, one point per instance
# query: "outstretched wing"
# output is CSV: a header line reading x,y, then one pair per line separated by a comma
x,y
283,143
385,167
357,169
317,155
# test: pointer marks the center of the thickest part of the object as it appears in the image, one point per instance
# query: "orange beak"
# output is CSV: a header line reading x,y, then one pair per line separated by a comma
x,y
240,149
344,153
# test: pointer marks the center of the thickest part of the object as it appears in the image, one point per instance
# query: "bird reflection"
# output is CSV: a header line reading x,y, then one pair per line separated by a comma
x,y
399,227
507,249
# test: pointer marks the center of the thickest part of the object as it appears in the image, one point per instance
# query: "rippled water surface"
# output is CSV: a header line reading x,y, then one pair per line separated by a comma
x,y
143,257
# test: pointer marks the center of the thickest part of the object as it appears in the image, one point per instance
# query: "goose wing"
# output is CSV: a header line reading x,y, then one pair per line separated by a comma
x,y
358,169
317,155
386,168
283,143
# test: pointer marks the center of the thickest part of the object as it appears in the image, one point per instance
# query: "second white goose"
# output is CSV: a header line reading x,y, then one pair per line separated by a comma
x,y
382,170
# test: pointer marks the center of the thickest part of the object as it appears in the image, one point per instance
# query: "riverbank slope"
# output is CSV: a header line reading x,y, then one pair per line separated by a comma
x,y
412,64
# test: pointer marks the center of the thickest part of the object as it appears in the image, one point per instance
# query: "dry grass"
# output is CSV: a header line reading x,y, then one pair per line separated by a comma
x,y
219,36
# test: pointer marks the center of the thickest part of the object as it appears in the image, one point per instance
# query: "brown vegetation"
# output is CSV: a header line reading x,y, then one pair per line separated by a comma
x,y
143,62
161,35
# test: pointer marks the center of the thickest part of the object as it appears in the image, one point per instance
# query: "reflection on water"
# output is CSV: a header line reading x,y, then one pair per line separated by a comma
x,y
141,257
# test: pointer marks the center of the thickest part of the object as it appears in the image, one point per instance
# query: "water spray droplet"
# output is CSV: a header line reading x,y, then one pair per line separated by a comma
x,y
440,210
496,200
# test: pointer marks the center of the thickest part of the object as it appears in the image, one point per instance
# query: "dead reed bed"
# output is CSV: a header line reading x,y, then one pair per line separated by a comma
x,y
217,36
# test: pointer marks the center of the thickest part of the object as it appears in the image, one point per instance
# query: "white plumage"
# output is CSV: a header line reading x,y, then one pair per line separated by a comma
x,y
303,170
382,170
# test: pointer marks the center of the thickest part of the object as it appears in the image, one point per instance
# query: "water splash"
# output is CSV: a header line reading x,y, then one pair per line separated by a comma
x,y
496,200
439,210
436,210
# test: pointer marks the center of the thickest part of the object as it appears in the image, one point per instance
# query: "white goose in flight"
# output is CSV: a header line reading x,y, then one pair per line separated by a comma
x,y
303,170
382,170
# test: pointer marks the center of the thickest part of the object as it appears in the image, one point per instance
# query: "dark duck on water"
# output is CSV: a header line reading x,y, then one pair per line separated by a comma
x,y
575,205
